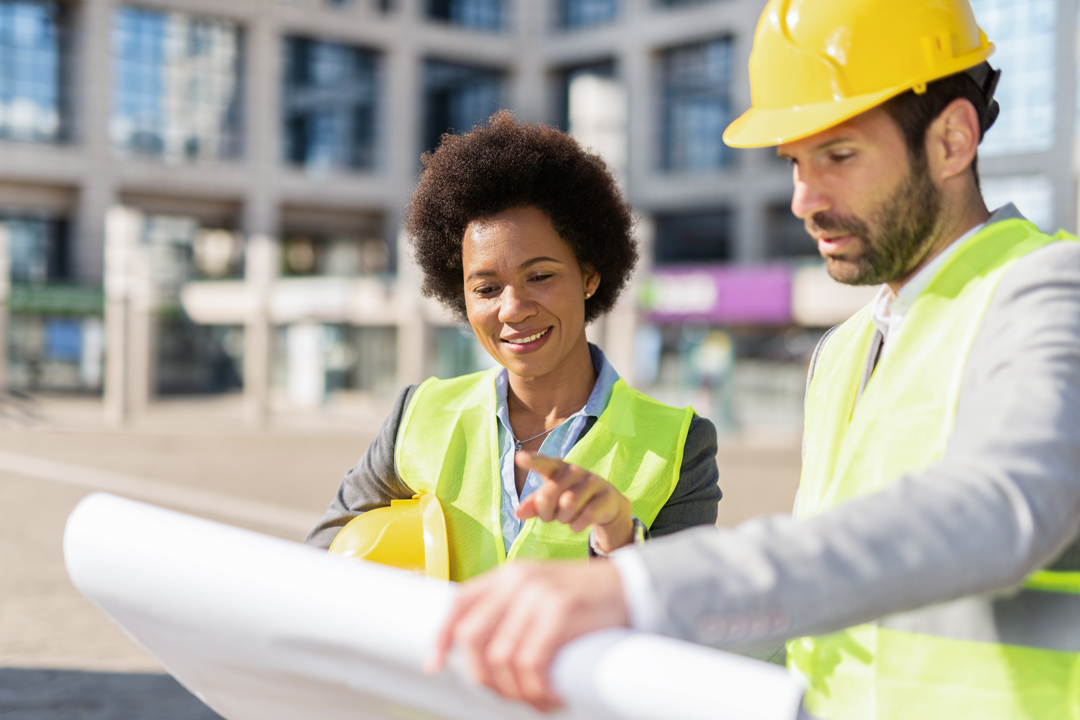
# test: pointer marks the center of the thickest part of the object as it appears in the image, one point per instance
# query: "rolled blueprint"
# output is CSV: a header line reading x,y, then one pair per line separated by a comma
x,y
260,628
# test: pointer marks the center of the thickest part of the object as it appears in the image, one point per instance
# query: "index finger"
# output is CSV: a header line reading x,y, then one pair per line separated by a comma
x,y
549,467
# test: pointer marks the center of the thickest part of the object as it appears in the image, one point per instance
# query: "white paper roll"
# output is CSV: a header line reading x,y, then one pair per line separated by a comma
x,y
263,629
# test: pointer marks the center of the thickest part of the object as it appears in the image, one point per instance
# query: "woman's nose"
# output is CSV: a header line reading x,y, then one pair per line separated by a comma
x,y
515,305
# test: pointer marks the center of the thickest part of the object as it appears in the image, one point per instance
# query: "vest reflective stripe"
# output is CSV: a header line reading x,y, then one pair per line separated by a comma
x,y
986,657
447,444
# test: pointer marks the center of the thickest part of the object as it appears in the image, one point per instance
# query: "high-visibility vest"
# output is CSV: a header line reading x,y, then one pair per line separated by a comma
x,y
985,657
447,444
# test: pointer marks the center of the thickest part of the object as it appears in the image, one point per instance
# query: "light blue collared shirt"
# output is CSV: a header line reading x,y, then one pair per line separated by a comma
x,y
556,444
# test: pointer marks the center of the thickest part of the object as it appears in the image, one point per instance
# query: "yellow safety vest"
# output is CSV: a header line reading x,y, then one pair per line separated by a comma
x,y
998,661
447,444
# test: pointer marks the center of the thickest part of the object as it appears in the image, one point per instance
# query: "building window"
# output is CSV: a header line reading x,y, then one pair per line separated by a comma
x,y
38,247
480,14
1024,33
697,106
693,237
31,70
1033,196
330,105
586,13
456,98
176,85
569,79
593,109
786,235
334,255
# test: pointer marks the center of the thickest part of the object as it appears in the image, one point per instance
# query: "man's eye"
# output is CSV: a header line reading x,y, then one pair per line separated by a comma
x,y
841,157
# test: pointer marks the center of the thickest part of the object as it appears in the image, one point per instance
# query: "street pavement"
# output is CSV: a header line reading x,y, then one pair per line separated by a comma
x,y
60,658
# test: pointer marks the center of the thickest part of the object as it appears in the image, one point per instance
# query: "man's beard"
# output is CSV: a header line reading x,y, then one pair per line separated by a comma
x,y
905,224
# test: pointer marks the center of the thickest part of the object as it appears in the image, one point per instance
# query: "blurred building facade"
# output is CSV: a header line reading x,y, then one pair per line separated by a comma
x,y
209,195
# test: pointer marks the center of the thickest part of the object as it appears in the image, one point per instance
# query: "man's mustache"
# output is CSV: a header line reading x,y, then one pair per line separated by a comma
x,y
833,223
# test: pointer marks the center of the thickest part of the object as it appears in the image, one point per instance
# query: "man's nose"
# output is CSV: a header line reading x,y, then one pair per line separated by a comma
x,y
515,305
808,199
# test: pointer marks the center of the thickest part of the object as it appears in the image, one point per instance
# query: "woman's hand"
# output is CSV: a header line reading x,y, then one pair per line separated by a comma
x,y
576,497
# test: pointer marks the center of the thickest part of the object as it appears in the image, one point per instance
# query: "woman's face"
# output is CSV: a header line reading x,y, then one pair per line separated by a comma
x,y
525,291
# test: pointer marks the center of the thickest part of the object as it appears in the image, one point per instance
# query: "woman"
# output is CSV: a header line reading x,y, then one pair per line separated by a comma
x,y
524,235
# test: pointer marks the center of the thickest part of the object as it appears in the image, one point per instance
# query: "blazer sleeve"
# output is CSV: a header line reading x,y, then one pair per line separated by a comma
x,y
371,484
697,494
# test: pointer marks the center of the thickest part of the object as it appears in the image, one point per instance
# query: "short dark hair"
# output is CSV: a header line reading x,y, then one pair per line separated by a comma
x,y
505,164
914,112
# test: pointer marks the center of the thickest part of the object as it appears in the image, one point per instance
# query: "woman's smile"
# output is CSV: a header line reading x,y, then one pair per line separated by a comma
x,y
522,343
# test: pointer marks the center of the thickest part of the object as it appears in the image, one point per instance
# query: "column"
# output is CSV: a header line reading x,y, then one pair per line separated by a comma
x,y
262,261
260,219
122,229
413,333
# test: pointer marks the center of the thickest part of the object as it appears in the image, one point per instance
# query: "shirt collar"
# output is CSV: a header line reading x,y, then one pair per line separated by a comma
x,y
598,398
887,304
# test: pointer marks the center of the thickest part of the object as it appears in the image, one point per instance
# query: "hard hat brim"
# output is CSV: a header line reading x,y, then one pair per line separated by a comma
x,y
767,128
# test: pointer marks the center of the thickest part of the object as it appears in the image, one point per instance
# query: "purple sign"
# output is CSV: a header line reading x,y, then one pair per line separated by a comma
x,y
723,294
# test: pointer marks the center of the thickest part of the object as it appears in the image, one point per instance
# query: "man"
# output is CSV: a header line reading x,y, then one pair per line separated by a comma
x,y
933,567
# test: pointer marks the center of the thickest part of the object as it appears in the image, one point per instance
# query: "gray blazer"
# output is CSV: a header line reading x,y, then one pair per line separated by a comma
x,y
1003,502
374,481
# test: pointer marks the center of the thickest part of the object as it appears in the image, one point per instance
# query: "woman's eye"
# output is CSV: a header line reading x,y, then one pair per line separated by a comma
x,y
542,276
485,290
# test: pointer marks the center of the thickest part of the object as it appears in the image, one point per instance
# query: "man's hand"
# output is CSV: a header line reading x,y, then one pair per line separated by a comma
x,y
510,623
574,496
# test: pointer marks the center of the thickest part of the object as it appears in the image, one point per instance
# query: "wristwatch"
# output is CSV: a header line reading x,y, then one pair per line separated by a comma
x,y
639,535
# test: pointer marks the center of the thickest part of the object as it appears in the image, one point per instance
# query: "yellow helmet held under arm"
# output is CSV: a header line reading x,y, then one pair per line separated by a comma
x,y
817,63
410,534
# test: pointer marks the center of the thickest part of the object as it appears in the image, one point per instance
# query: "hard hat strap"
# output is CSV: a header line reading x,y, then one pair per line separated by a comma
x,y
986,78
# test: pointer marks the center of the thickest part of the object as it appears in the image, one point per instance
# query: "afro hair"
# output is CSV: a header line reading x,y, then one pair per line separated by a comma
x,y
506,164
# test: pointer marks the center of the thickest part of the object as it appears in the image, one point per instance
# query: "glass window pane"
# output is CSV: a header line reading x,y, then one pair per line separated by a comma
x,y
693,237
456,98
330,95
38,247
481,14
31,56
587,13
697,106
1023,31
177,87
1033,195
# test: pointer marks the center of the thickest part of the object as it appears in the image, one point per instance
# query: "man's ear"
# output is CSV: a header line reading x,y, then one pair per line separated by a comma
x,y
952,140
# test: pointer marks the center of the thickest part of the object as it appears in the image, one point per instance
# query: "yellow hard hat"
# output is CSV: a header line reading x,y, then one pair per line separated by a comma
x,y
410,534
817,63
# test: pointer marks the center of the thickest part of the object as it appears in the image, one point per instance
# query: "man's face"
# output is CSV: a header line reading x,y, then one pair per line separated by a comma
x,y
871,209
